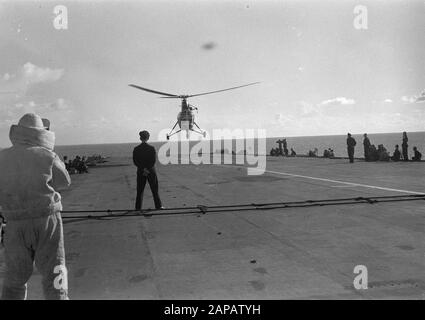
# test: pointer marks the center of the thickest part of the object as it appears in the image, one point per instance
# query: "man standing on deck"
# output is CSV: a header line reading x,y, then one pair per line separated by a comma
x,y
144,158
366,146
404,146
350,147
29,177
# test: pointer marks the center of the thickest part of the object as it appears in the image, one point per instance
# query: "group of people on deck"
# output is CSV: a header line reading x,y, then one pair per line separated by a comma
x,y
77,165
371,153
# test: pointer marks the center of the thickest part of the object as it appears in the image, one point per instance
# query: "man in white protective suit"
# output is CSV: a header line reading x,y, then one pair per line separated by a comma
x,y
30,175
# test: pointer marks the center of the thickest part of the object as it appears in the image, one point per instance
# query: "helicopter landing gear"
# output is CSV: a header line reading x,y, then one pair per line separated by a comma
x,y
203,133
171,132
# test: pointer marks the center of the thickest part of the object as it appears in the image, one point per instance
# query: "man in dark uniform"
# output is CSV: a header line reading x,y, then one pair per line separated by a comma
x,y
144,157
350,147
404,146
366,146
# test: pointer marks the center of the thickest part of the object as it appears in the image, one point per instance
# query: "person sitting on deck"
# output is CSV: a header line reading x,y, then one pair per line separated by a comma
x,y
329,153
417,155
397,154
373,153
326,153
82,167
383,155
70,167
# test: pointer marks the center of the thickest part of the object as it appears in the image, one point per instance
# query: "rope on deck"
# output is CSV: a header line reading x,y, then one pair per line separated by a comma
x,y
202,209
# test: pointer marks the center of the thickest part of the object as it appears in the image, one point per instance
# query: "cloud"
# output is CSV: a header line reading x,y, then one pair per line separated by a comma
x,y
338,101
407,99
283,119
331,107
413,99
6,76
305,109
32,74
28,75
58,105
388,101
12,112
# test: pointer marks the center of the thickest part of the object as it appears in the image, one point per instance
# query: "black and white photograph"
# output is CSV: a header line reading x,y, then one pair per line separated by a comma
x,y
224,151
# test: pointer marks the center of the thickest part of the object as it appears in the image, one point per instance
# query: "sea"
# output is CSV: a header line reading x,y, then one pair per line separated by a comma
x,y
301,145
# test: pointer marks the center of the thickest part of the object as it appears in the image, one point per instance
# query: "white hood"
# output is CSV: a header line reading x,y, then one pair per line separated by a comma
x,y
32,136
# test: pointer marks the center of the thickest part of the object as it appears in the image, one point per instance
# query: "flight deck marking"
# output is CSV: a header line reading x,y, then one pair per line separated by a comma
x,y
351,184
343,182
342,186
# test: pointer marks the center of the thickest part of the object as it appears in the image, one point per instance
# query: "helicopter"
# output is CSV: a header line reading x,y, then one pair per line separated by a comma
x,y
186,116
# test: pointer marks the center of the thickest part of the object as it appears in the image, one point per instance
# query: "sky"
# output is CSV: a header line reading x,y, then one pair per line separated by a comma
x,y
319,74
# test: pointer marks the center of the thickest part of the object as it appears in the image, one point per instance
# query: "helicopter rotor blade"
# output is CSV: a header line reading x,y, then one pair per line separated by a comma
x,y
154,91
201,94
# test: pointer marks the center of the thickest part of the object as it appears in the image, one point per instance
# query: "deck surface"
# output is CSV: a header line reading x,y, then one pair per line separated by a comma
x,y
292,253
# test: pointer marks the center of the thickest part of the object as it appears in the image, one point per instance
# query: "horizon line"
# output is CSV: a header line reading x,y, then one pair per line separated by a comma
x,y
158,141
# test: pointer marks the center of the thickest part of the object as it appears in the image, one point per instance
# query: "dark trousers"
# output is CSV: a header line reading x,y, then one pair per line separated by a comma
x,y
405,153
153,183
350,151
366,154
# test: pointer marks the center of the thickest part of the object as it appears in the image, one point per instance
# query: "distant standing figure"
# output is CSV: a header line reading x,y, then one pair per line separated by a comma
x,y
404,146
417,156
280,142
285,148
396,155
366,146
144,158
350,147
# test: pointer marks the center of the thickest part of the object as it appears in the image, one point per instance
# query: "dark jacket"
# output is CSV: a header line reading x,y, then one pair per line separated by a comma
x,y
366,143
404,144
144,156
351,142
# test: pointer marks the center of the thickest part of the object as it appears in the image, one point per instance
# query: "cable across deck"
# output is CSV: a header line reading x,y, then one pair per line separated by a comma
x,y
203,209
